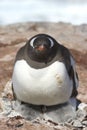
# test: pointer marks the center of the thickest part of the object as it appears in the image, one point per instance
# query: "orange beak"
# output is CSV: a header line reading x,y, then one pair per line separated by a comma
x,y
41,48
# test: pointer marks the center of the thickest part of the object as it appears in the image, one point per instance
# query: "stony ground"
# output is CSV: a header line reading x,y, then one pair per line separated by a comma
x,y
12,37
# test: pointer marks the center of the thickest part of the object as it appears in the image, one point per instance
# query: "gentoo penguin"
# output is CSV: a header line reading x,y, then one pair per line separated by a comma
x,y
44,73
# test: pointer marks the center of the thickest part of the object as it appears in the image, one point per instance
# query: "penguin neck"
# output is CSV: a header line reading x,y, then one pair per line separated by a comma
x,y
41,58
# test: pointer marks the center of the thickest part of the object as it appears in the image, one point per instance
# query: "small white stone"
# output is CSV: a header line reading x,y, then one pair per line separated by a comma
x,y
82,106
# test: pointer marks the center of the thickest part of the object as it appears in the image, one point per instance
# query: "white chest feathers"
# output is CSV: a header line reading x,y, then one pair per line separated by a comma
x,y
46,86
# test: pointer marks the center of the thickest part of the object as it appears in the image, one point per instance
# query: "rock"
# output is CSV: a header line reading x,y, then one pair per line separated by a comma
x,y
85,123
77,124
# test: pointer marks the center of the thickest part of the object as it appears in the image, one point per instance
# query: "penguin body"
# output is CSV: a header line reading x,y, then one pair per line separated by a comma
x,y
42,86
44,72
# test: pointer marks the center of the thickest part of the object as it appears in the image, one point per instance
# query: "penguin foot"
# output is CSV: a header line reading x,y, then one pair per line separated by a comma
x,y
57,113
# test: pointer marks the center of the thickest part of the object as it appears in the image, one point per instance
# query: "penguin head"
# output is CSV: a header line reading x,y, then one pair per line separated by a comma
x,y
41,47
41,43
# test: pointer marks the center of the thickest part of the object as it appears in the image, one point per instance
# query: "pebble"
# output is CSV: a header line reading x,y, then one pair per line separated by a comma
x,y
77,123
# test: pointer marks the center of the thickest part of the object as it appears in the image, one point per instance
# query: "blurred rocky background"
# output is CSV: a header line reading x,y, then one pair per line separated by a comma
x,y
12,37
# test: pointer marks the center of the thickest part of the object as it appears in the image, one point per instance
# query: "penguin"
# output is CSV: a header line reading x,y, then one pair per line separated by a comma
x,y
44,73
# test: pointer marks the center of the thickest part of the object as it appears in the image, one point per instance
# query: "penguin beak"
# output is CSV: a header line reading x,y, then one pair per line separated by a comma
x,y
41,48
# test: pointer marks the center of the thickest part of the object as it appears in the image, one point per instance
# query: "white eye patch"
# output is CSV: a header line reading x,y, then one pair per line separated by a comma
x,y
51,41
32,41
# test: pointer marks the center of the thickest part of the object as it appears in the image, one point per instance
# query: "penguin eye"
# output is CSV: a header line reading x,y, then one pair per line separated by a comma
x,y
52,43
32,42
